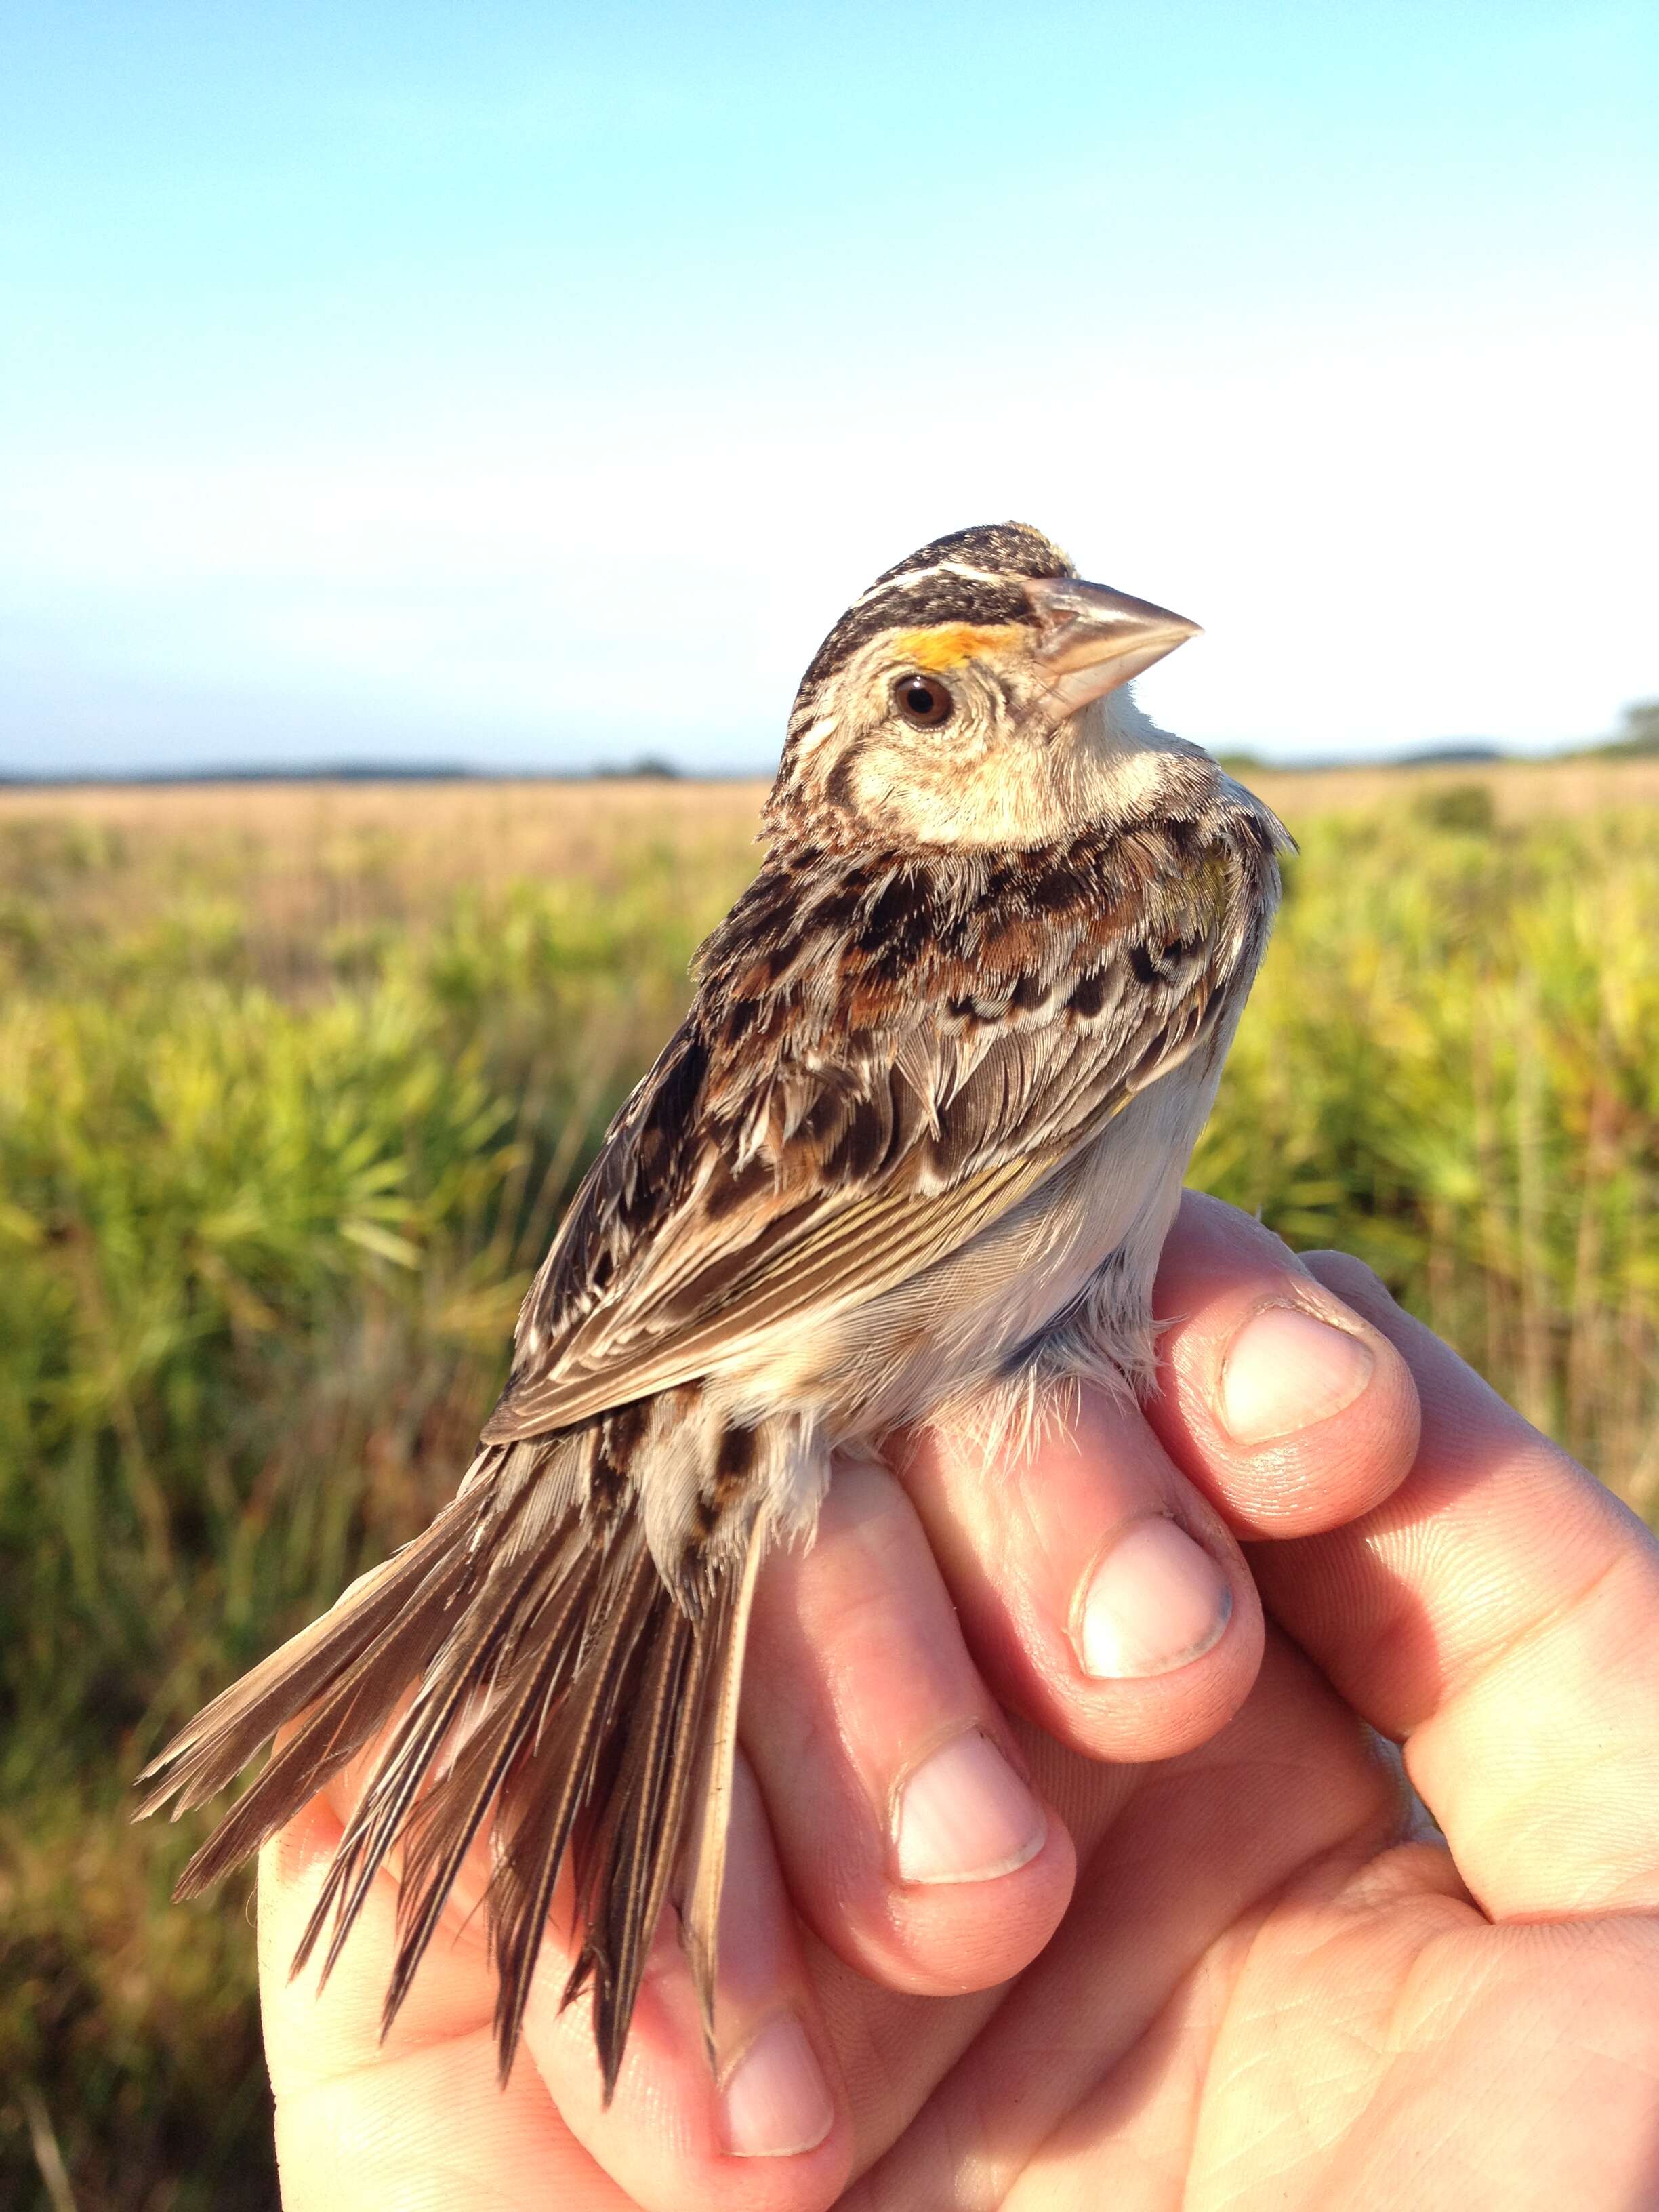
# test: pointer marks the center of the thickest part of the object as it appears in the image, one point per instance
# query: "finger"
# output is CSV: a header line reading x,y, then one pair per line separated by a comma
x,y
422,2120
1501,1614
1179,1880
1497,1611
1101,1596
1289,1410
318,2025
678,2133
909,1838
768,2128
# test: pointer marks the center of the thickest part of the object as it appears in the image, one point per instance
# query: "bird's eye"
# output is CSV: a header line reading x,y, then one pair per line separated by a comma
x,y
923,699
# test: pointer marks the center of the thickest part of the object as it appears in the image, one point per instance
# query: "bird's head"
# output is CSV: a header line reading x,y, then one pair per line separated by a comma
x,y
967,699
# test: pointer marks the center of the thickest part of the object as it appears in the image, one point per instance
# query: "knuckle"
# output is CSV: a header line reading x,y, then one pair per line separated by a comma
x,y
1349,1277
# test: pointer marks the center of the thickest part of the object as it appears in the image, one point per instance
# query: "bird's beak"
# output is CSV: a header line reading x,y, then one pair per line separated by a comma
x,y
1093,638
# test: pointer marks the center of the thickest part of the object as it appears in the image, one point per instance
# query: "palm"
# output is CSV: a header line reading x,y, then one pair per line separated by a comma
x,y
1264,1990
1262,1996
1259,1995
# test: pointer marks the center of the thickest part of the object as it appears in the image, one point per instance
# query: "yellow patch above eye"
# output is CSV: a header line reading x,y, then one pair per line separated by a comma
x,y
948,644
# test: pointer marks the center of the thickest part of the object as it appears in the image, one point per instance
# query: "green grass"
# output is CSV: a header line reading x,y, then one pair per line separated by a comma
x,y
288,1103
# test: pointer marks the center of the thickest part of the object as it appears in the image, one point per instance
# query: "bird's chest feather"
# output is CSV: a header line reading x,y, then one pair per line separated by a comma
x,y
952,1329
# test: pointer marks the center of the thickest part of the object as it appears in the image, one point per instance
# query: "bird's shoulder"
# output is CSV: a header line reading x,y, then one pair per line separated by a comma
x,y
825,947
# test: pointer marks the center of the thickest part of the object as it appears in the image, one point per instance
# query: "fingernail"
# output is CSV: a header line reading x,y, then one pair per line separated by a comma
x,y
964,1815
1284,1370
1156,1601
776,2102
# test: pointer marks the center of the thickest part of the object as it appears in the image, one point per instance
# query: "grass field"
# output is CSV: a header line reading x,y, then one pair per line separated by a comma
x,y
294,1081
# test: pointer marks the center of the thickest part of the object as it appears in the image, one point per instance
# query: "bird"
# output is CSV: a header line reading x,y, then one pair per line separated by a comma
x,y
911,1153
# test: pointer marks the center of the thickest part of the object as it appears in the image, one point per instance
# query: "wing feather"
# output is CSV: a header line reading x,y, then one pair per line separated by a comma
x,y
820,1131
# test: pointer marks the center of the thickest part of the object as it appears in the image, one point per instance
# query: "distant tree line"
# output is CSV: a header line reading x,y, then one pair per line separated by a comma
x,y
1640,733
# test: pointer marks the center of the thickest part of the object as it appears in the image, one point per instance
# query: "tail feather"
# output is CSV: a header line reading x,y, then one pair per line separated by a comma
x,y
705,1875
623,1869
416,1744
553,1788
203,1757
448,1820
353,1707
561,1688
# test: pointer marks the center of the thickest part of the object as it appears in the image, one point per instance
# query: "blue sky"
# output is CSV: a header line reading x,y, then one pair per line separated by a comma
x,y
533,385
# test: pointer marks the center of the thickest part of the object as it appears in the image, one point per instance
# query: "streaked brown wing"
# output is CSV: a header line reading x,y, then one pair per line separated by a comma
x,y
890,1236
823,1182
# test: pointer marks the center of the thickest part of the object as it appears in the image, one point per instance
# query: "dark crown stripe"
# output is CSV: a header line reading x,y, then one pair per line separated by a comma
x,y
975,575
1006,549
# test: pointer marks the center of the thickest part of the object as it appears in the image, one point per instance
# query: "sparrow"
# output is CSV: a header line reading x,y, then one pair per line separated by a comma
x,y
913,1151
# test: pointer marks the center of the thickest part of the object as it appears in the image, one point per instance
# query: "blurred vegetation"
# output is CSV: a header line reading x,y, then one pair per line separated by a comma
x,y
290,1096
1640,735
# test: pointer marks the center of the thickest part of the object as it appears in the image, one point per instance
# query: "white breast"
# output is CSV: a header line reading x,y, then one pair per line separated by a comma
x,y
953,1328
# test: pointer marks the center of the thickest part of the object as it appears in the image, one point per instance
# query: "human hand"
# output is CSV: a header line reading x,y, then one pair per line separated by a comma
x,y
1226,1969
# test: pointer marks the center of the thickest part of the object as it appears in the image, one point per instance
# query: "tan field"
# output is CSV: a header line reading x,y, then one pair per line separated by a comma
x,y
540,824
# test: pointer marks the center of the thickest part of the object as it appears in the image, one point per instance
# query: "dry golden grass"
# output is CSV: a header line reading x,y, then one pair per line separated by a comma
x,y
538,826
442,830
1522,790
